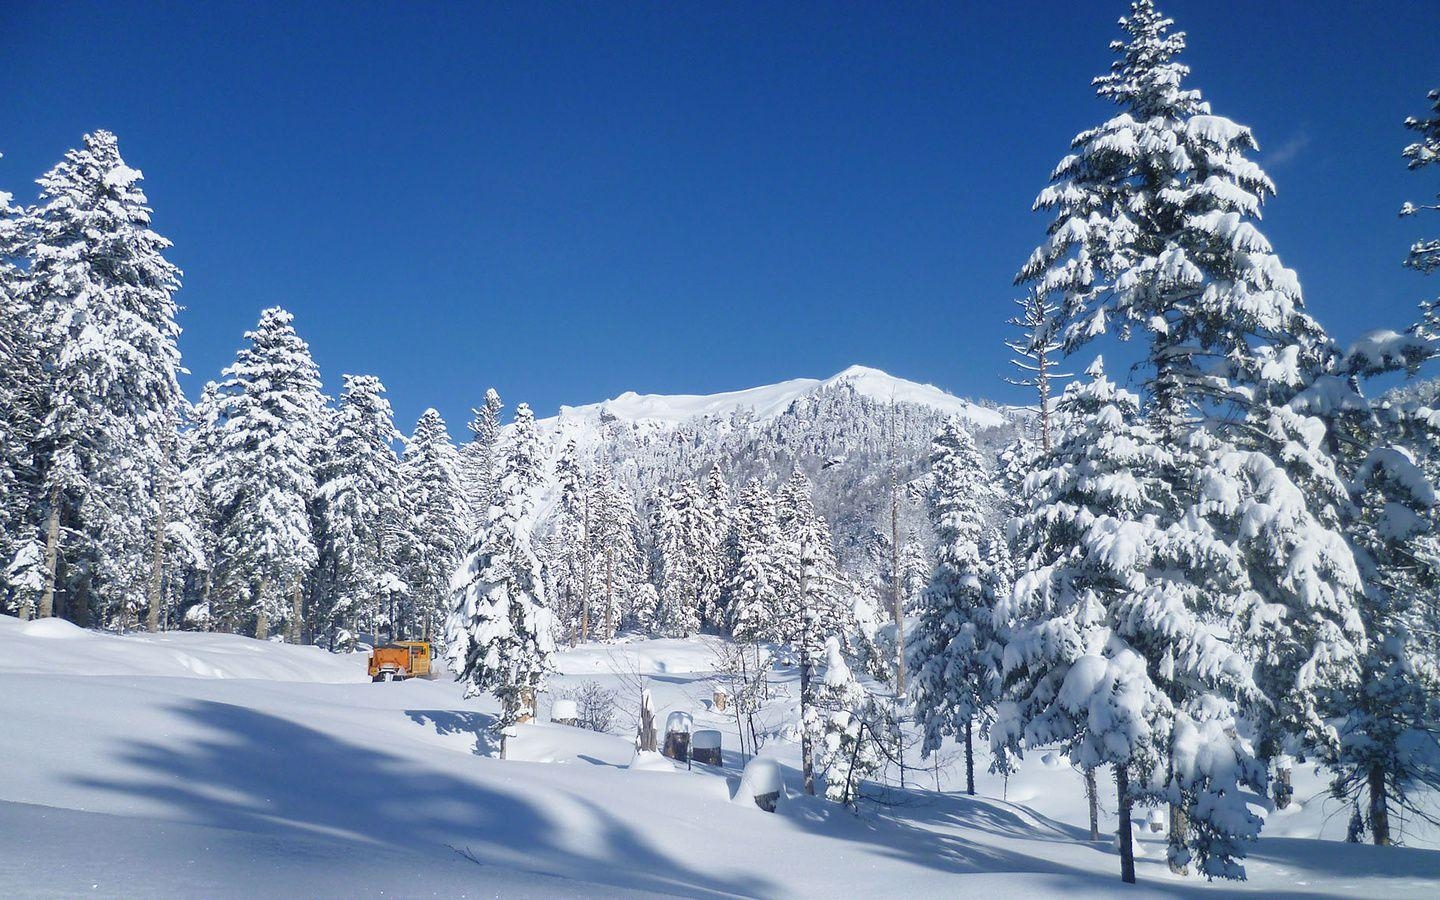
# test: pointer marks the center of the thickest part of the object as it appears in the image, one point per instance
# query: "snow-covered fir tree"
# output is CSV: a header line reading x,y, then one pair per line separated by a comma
x,y
757,581
478,458
361,514
715,611
571,558
1161,240
500,634
840,717
1424,254
812,597
1105,654
616,562
439,522
268,424
686,560
102,296
20,551
955,656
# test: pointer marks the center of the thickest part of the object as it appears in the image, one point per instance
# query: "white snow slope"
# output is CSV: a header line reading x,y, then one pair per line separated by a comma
x,y
189,765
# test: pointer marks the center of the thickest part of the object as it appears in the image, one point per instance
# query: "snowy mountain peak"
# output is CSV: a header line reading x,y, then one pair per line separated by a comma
x,y
768,401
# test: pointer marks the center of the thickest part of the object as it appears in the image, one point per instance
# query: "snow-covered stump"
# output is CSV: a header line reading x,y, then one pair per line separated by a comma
x,y
564,712
761,783
645,739
678,726
705,747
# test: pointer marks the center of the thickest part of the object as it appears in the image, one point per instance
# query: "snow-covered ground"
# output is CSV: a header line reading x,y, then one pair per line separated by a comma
x,y
215,766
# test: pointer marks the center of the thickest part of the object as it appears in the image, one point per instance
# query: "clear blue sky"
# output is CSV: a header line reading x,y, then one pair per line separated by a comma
x,y
567,201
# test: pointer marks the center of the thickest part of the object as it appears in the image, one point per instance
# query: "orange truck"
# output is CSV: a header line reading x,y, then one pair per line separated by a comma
x,y
400,660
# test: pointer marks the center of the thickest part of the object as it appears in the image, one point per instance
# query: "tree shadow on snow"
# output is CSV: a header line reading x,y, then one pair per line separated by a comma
x,y
452,721
263,774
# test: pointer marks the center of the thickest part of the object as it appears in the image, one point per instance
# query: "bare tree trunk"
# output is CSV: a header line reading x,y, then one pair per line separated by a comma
x,y
970,757
1093,799
52,555
1379,807
807,749
609,591
262,617
1179,826
157,562
585,571
297,616
1126,834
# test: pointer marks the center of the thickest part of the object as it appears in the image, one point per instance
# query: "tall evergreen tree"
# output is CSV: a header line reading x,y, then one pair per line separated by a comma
x,y
360,511
1105,653
102,293
438,520
811,604
756,585
955,654
479,457
1155,229
261,476
20,552
500,634
686,560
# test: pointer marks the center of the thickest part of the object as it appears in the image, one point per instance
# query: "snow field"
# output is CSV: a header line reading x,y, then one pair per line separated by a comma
x,y
220,766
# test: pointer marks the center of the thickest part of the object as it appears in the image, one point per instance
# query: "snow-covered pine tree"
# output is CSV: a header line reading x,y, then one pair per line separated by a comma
x,y
20,552
716,614
1388,726
478,458
1105,654
573,558
102,293
616,565
840,718
685,560
439,521
1424,254
361,513
500,634
812,607
1155,227
756,584
954,652
267,421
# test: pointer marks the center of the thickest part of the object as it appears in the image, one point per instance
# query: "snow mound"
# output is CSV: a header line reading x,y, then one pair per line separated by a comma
x,y
57,647
52,629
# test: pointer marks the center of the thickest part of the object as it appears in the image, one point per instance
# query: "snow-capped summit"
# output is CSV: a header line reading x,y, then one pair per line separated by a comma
x,y
768,401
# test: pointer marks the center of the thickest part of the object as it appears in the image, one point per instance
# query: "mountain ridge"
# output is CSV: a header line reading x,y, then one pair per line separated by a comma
x,y
769,401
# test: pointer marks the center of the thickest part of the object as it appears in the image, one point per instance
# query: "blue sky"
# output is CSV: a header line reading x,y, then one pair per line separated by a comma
x,y
567,201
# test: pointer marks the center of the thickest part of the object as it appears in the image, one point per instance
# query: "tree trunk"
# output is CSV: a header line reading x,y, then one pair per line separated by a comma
x,y
1179,826
297,616
609,592
585,572
52,556
262,618
1379,807
807,750
157,562
1126,835
1092,798
970,757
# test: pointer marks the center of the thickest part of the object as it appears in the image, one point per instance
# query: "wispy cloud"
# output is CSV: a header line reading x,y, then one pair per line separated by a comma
x,y
1288,150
